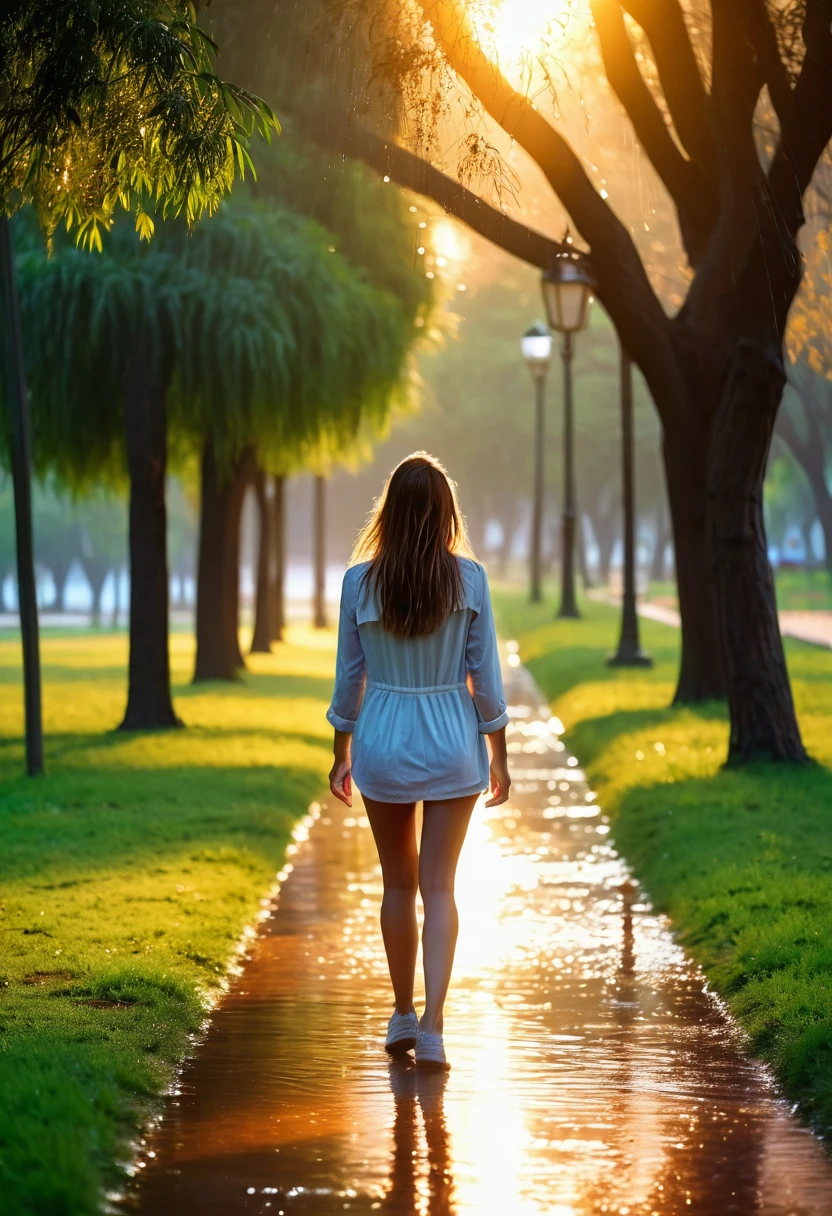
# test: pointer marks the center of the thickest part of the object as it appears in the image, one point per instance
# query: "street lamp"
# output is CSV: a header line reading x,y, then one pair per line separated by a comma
x,y
568,294
536,345
629,653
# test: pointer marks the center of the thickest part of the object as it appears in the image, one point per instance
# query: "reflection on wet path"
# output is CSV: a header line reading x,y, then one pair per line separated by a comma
x,y
591,1072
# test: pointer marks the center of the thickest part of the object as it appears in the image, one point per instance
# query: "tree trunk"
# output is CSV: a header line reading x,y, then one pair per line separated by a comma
x,y
95,572
806,536
59,569
116,596
21,456
700,674
763,721
825,519
583,561
218,655
243,474
604,528
658,562
213,661
277,565
261,639
811,456
319,529
149,705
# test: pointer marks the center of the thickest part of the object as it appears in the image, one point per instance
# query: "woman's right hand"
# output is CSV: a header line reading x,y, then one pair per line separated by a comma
x,y
500,782
340,781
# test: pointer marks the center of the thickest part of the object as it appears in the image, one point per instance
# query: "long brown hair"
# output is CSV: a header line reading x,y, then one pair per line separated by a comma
x,y
411,541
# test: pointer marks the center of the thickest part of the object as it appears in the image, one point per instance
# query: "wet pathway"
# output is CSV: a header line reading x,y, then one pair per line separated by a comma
x,y
592,1073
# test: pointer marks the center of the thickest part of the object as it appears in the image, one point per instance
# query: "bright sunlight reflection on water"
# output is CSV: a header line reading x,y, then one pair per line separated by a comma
x,y
592,1074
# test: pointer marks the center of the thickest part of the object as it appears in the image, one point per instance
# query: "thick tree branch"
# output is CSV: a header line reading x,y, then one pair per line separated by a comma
x,y
745,208
664,24
809,128
763,34
414,173
692,192
622,283
738,77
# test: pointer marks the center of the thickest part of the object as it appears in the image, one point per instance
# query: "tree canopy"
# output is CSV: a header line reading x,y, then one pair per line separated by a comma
x,y
115,103
262,332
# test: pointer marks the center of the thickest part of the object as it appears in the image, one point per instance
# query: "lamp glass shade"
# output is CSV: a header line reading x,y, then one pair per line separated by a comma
x,y
536,347
567,294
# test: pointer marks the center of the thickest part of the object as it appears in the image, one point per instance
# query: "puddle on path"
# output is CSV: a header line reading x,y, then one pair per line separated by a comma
x,y
591,1072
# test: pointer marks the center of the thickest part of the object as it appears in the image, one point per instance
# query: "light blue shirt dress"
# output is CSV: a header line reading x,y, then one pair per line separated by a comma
x,y
417,730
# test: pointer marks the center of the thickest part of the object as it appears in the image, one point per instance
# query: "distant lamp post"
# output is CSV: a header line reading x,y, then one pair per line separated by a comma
x,y
568,294
536,345
629,653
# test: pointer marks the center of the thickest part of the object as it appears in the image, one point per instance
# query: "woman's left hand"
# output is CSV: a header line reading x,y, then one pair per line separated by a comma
x,y
340,781
500,782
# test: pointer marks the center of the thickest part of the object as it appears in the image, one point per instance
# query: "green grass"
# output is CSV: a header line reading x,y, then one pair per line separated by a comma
x,y
740,860
797,590
127,875
804,589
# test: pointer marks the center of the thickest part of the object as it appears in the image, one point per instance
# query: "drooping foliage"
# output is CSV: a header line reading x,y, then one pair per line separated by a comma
x,y
108,103
367,219
264,334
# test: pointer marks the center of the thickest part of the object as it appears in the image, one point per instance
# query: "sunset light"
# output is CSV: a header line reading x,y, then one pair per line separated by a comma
x,y
512,29
376,483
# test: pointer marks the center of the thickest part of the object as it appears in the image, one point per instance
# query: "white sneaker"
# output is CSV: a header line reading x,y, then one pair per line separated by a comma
x,y
401,1032
430,1051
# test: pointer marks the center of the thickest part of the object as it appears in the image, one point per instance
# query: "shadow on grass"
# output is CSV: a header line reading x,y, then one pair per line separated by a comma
x,y
260,685
60,747
591,736
83,822
572,665
67,673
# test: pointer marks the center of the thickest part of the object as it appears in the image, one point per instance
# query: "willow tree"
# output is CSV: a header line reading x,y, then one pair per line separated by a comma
x,y
99,405
248,335
294,346
104,104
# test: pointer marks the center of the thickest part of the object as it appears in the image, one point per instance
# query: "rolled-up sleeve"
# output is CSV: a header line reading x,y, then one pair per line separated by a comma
x,y
482,661
350,666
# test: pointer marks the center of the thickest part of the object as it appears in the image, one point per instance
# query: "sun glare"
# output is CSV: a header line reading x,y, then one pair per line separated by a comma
x,y
515,28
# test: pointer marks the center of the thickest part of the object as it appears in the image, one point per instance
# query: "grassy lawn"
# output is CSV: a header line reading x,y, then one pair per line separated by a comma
x,y
741,861
797,590
127,876
803,589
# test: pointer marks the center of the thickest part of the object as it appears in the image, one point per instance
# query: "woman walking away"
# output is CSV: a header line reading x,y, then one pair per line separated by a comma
x,y
417,688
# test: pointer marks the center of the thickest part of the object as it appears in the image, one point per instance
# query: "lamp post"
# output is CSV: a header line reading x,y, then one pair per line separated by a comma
x,y
567,294
629,653
536,345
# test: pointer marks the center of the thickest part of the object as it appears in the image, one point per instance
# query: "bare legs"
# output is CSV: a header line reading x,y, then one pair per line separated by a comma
x,y
394,828
434,869
443,833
